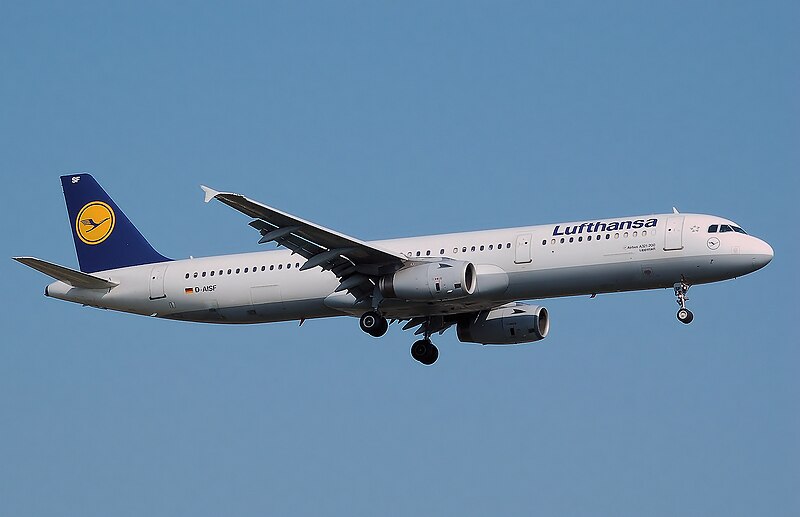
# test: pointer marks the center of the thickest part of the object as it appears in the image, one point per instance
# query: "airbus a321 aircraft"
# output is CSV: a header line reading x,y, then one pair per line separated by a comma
x,y
473,281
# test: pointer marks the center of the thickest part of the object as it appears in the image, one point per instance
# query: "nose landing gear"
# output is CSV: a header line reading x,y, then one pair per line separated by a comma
x,y
684,315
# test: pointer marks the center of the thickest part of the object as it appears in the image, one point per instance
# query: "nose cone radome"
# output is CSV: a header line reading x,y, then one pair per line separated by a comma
x,y
762,254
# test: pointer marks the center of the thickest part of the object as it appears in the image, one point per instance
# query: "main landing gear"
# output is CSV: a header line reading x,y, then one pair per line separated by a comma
x,y
424,351
684,314
376,325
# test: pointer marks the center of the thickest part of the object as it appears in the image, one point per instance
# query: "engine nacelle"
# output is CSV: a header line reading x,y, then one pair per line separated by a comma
x,y
507,325
443,280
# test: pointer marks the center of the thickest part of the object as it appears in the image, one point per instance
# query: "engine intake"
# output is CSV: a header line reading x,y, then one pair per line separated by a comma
x,y
507,325
442,280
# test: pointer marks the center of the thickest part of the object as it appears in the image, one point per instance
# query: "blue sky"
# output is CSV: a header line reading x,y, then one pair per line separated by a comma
x,y
384,120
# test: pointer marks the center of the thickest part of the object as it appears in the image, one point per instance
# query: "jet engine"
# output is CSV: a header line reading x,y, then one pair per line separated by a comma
x,y
507,325
442,280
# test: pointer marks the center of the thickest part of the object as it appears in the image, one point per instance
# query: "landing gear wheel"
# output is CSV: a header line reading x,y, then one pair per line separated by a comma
x,y
425,352
684,315
373,324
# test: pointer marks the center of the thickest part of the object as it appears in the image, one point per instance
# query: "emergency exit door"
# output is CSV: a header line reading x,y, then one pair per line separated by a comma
x,y
522,251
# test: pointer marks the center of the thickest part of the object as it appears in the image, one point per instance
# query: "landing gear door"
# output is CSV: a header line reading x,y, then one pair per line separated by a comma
x,y
673,236
157,281
522,251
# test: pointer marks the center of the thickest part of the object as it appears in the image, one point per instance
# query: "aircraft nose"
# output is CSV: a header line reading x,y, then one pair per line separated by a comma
x,y
762,254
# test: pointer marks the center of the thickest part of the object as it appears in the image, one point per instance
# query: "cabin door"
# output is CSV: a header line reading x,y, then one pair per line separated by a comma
x,y
523,249
157,281
673,236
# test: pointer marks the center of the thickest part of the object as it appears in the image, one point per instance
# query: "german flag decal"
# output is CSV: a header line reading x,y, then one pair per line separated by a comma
x,y
188,290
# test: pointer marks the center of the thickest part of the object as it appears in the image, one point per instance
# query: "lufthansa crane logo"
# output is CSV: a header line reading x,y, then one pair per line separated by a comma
x,y
95,222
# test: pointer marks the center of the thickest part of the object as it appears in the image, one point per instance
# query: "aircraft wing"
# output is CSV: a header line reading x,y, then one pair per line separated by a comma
x,y
356,263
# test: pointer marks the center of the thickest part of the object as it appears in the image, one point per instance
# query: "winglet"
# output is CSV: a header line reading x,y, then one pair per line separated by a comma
x,y
210,193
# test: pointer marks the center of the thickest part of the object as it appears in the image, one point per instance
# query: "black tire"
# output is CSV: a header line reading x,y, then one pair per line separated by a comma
x,y
373,323
425,352
419,350
685,316
382,328
432,355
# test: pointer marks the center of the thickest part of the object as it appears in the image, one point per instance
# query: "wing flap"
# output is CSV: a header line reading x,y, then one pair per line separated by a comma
x,y
68,276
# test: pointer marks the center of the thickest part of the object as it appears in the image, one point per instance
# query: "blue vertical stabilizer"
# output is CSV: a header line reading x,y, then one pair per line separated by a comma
x,y
104,237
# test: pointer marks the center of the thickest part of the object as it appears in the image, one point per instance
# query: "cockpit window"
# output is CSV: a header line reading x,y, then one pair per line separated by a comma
x,y
713,228
725,228
738,230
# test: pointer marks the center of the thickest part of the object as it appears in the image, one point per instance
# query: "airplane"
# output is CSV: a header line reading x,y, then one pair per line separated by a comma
x,y
476,281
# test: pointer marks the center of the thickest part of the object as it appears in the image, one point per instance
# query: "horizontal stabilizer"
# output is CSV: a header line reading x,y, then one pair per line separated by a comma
x,y
68,276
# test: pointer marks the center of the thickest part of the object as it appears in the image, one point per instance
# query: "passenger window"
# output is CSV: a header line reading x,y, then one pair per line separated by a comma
x,y
187,275
428,253
472,249
455,250
289,265
544,242
272,267
481,248
635,234
572,239
419,253
280,266
195,274
245,270
441,251
644,233
589,238
229,271
580,239
212,273
220,272
562,240
553,241
508,245
237,270
616,236
263,268
296,264
713,228
491,246
608,236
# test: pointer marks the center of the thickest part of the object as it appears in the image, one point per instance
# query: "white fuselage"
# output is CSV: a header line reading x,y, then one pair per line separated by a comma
x,y
524,263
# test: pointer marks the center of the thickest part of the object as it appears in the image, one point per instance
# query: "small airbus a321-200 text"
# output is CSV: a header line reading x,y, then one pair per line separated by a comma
x,y
475,281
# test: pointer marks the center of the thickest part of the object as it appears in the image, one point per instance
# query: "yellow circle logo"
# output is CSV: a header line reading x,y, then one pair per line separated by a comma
x,y
95,222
